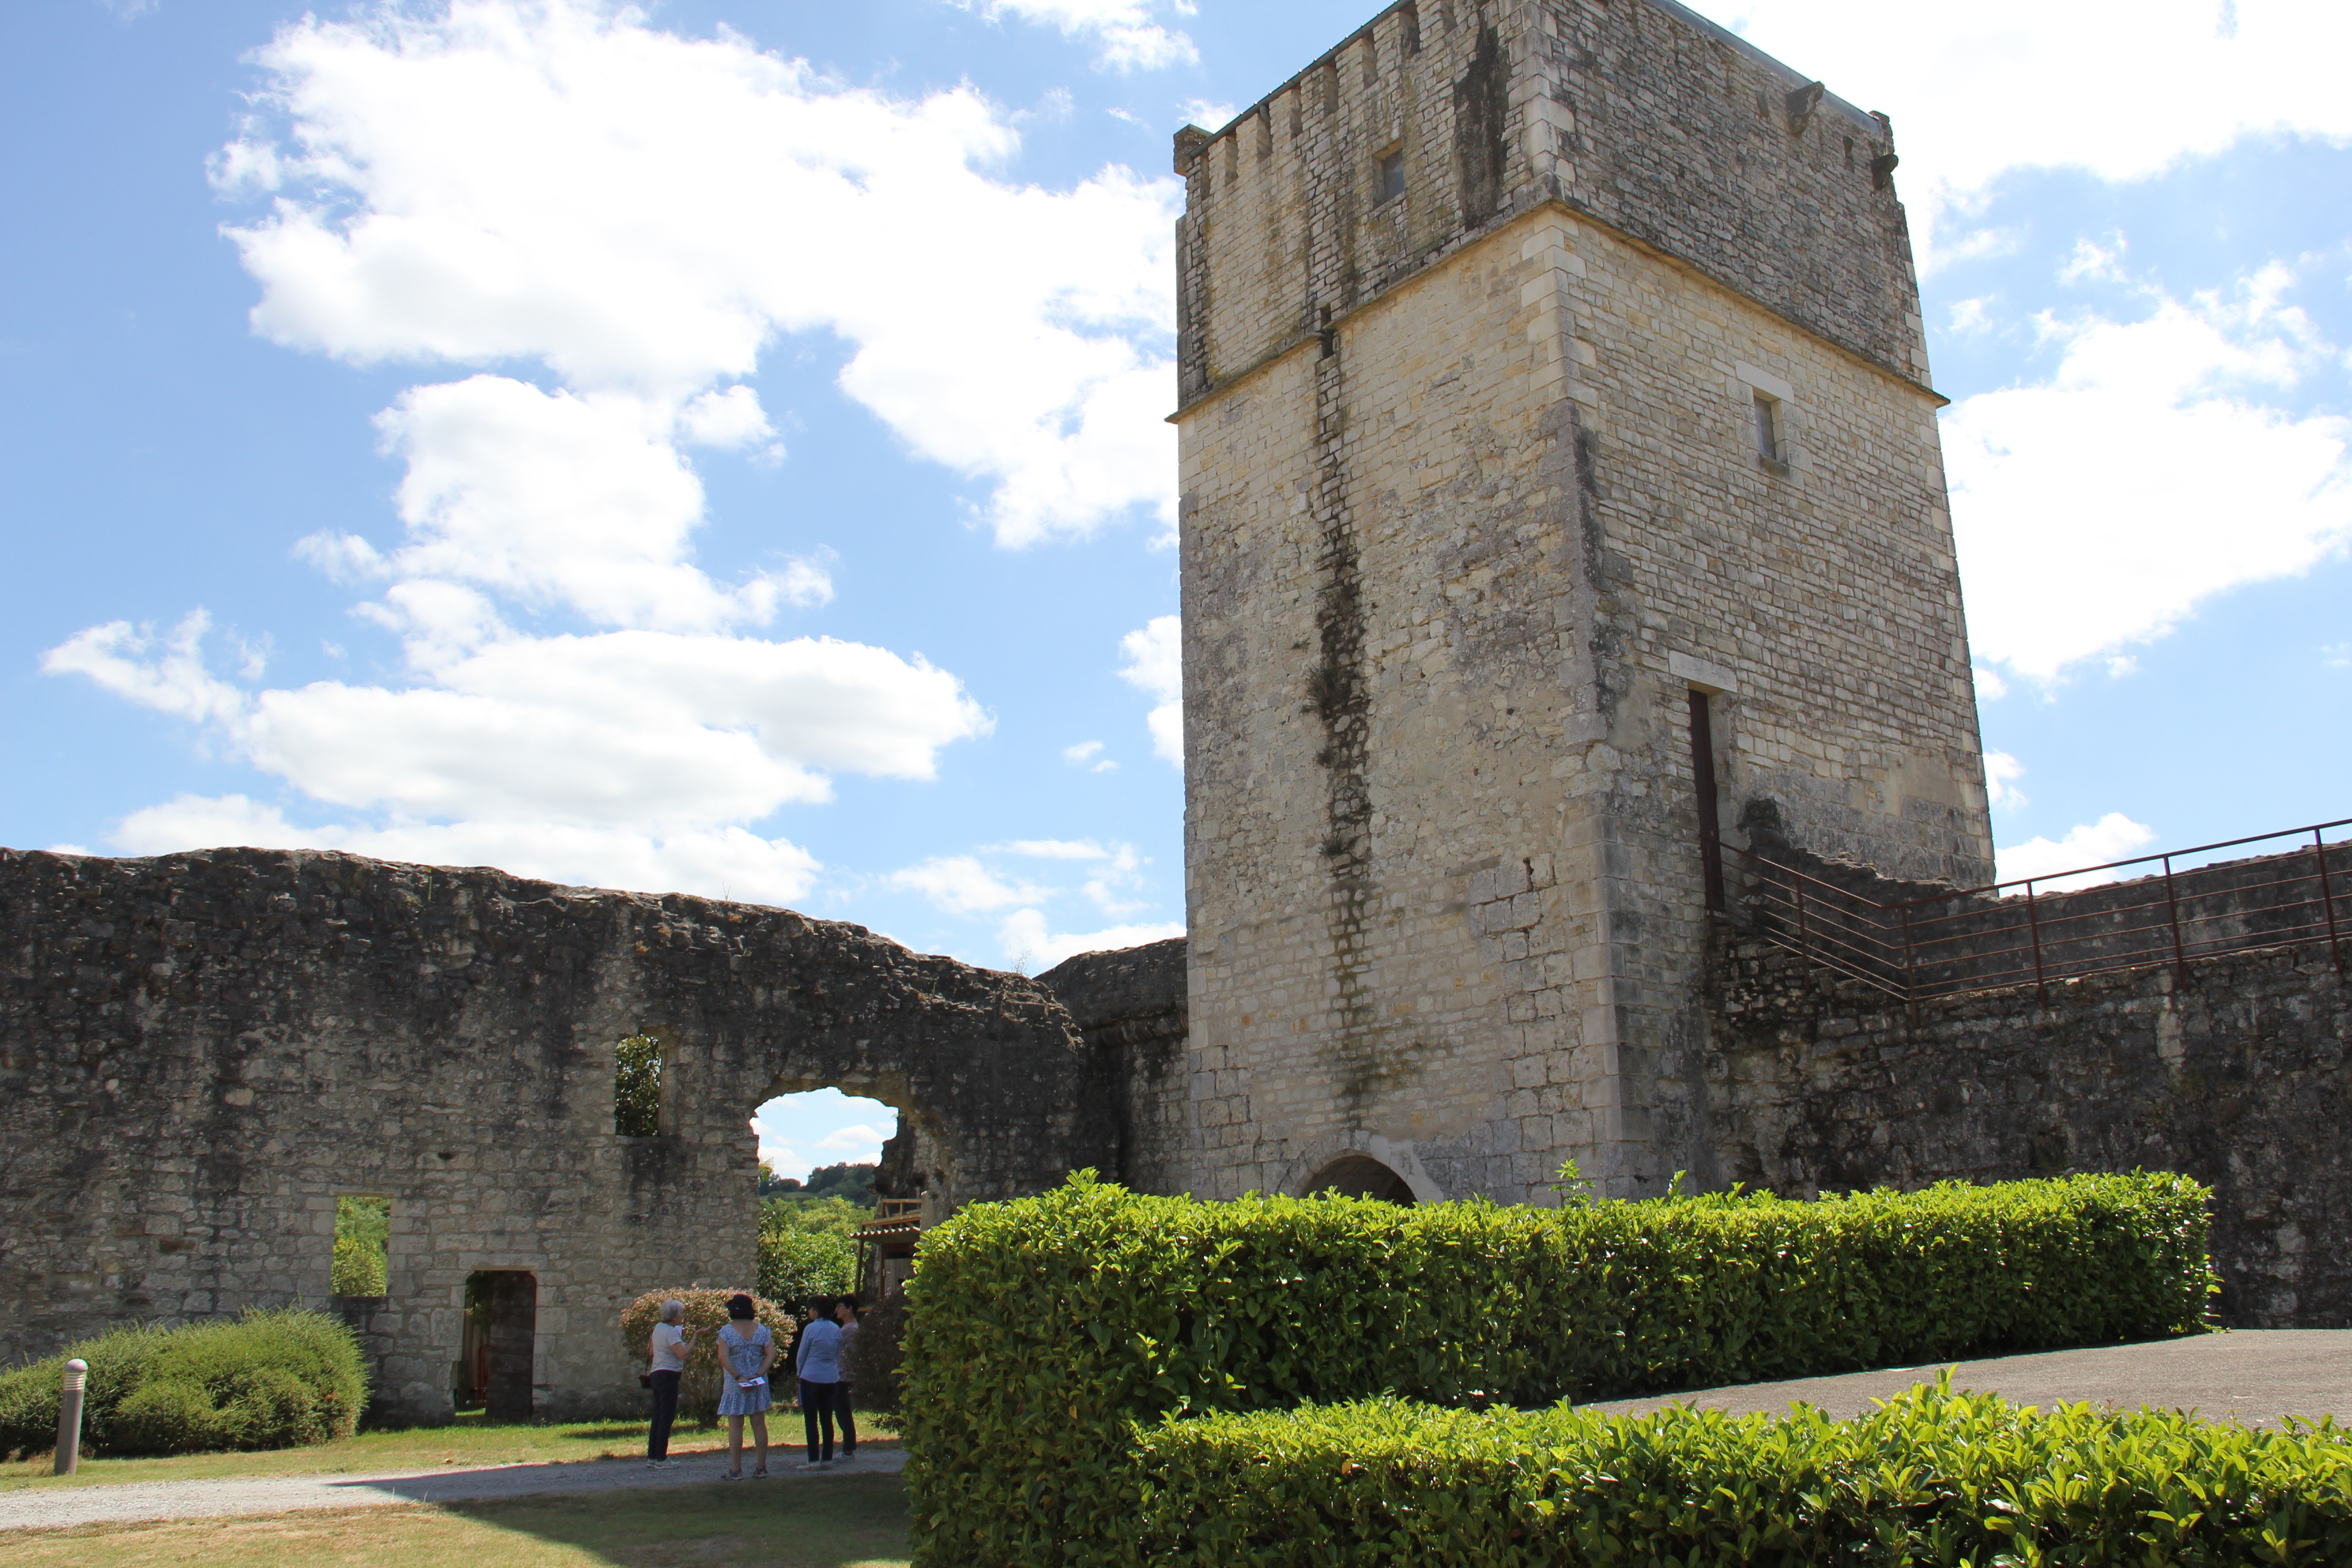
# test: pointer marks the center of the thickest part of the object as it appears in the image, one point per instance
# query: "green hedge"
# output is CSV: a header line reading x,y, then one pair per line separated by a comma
x,y
1932,1477
268,1380
1042,1329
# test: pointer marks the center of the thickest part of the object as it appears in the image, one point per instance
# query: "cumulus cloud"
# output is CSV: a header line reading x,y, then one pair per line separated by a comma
x,y
2177,78
961,884
2097,508
2112,837
634,759
1088,755
1155,666
1125,34
1028,942
2001,773
726,862
559,182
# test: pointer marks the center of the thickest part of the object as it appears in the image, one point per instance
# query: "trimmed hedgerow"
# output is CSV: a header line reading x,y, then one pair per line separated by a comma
x,y
267,1380
1043,1329
1934,1476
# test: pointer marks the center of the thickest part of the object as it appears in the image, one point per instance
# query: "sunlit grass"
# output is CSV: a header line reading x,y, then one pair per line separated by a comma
x,y
470,1443
847,1522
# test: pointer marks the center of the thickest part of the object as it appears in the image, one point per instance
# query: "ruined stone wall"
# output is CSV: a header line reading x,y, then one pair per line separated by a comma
x,y
1130,1003
200,1053
1457,553
2240,1075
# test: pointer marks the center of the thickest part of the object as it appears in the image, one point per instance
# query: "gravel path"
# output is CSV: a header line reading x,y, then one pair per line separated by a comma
x,y
52,1507
2254,1374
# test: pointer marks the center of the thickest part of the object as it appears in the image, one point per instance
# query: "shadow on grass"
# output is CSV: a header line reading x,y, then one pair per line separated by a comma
x,y
846,1521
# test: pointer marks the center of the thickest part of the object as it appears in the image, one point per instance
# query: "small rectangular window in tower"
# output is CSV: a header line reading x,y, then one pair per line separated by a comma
x,y
1768,428
1391,175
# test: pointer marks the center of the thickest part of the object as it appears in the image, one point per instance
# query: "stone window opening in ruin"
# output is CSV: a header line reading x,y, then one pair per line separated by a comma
x,y
1392,174
1360,1176
362,1265
1710,822
637,1063
822,1166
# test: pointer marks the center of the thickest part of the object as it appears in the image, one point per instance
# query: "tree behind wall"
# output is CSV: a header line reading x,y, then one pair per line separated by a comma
x,y
636,1087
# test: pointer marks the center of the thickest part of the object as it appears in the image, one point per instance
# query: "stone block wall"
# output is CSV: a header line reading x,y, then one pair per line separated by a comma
x,y
200,1053
2238,1074
1471,505
1130,1003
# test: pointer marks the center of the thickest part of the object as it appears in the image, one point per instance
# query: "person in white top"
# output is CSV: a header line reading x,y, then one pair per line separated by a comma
x,y
670,1342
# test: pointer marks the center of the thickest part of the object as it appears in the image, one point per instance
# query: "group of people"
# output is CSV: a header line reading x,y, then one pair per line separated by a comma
x,y
825,1362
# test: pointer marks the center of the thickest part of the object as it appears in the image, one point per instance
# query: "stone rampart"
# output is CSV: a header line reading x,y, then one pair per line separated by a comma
x,y
201,1053
1128,1003
2239,1073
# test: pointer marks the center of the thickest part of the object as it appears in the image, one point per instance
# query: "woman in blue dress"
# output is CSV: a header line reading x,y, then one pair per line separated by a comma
x,y
746,1351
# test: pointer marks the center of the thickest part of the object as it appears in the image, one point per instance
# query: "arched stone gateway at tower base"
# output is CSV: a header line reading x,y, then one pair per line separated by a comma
x,y
200,1054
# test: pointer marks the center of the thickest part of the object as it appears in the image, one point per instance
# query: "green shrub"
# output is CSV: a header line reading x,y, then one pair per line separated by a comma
x,y
1042,1329
1931,1477
267,1380
362,1232
796,1266
698,1393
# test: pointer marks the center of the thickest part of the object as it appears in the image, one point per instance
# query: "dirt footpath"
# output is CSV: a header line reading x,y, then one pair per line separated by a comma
x,y
2255,1375
52,1507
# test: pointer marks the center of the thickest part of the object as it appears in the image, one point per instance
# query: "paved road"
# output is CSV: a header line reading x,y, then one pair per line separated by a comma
x,y
2254,1374
131,1500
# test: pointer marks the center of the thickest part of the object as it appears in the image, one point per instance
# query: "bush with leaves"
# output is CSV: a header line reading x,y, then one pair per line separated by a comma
x,y
1042,1330
705,1310
636,1087
363,1233
267,1380
1933,1477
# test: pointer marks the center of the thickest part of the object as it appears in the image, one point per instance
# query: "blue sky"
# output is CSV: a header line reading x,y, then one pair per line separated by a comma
x,y
719,447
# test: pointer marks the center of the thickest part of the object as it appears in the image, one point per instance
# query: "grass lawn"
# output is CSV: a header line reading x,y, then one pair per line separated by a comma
x,y
470,1442
850,1522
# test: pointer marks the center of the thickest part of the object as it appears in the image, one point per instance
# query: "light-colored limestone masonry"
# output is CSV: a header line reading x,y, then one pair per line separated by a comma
x,y
1554,392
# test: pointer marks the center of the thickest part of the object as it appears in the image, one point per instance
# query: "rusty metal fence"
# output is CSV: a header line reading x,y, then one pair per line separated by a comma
x,y
2037,930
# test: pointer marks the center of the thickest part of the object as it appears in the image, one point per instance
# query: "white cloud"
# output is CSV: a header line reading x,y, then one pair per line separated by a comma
x,y
1208,113
727,862
1027,942
1124,33
1970,319
2168,82
174,681
1991,686
728,420
559,181
1053,849
634,732
2337,655
1155,666
961,884
860,1136
1088,755
2001,773
2111,837
2097,508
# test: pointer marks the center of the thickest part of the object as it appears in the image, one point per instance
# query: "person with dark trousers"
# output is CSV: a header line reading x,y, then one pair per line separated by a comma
x,y
667,1351
844,1397
818,1361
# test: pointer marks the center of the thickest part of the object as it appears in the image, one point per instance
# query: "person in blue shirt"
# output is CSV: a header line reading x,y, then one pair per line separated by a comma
x,y
818,1361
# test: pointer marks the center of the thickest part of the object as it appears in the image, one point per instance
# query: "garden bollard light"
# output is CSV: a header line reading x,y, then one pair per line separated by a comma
x,y
70,1419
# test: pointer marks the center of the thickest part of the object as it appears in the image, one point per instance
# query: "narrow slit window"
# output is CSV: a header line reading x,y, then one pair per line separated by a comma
x,y
1768,428
1393,176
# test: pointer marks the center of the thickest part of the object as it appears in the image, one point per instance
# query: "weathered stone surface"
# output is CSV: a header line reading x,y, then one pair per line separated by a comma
x,y
1129,1005
199,1053
1473,502
2240,1075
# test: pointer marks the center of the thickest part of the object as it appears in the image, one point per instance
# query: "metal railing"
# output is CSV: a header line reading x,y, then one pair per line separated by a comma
x,y
2027,931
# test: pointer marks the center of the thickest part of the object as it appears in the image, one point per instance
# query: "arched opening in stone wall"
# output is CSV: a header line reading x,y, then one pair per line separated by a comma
x,y
820,1164
1361,1176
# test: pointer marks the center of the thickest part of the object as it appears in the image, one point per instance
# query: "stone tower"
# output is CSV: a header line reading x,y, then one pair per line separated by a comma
x,y
1562,498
